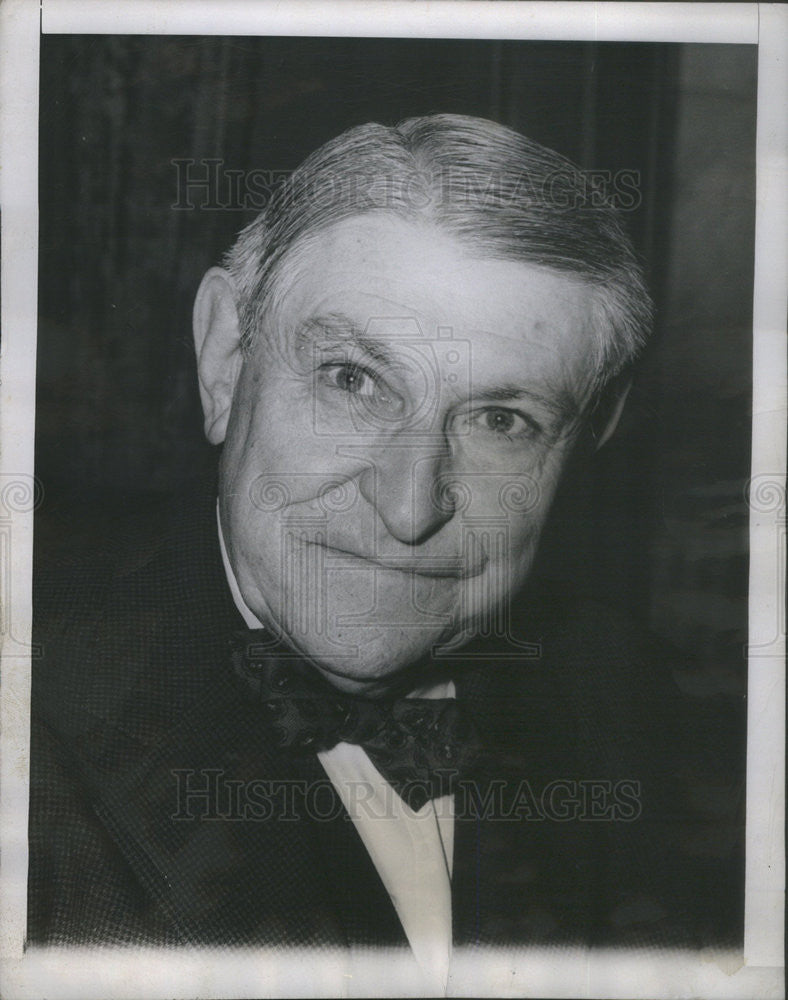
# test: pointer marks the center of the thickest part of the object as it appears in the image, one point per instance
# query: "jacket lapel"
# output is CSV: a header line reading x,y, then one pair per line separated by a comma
x,y
213,824
237,843
517,875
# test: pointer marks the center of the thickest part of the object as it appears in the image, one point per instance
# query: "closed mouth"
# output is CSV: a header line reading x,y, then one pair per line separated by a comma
x,y
433,568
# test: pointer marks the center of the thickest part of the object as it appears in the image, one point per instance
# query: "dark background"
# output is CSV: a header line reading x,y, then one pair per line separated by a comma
x,y
659,526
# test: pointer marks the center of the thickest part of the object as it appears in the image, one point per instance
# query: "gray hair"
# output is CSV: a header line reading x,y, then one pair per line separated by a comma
x,y
498,193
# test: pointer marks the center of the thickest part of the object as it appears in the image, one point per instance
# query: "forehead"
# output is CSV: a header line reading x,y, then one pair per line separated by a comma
x,y
392,277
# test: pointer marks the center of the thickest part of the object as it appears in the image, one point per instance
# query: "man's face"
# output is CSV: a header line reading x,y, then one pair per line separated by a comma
x,y
396,436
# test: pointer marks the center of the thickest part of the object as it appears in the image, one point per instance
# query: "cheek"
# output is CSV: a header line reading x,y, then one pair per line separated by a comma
x,y
514,554
511,548
523,555
272,457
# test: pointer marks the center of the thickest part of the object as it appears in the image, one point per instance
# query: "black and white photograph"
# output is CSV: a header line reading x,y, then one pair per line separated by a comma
x,y
394,503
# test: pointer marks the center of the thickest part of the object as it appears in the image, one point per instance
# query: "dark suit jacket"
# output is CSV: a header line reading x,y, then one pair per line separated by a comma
x,y
134,706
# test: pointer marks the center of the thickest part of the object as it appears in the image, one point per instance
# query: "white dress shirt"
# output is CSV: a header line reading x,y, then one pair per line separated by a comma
x,y
412,851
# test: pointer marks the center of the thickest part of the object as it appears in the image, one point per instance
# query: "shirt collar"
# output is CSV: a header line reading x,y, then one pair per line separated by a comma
x,y
252,621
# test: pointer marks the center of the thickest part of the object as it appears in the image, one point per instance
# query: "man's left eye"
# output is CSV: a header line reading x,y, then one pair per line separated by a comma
x,y
507,423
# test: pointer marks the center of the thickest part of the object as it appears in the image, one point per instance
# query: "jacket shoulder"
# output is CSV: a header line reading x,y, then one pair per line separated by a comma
x,y
133,622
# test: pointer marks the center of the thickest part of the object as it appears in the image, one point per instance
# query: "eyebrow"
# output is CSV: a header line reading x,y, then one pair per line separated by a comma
x,y
339,329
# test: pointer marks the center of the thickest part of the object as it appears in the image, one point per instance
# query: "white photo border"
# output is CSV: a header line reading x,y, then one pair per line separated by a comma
x,y
88,973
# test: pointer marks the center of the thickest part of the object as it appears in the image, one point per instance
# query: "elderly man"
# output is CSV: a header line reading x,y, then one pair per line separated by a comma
x,y
321,702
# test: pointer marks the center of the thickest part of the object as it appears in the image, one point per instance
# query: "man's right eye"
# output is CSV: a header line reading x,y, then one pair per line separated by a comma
x,y
365,387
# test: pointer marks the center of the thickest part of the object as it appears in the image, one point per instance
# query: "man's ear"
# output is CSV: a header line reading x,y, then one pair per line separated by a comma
x,y
217,341
609,408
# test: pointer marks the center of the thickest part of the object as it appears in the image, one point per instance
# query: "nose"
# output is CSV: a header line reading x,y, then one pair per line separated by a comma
x,y
401,482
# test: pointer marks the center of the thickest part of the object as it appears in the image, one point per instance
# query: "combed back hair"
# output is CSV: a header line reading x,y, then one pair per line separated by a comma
x,y
499,194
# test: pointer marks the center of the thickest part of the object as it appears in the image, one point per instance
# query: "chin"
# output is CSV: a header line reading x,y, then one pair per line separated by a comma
x,y
365,624
372,659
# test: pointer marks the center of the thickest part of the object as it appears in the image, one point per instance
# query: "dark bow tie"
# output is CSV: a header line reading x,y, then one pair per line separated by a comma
x,y
419,745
